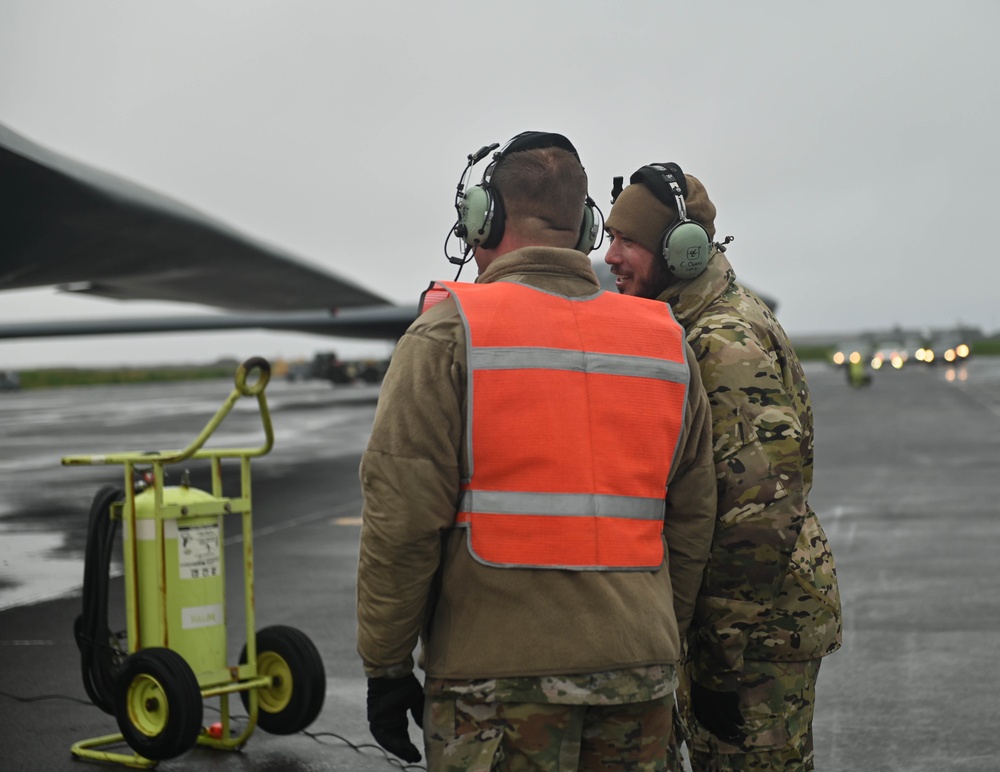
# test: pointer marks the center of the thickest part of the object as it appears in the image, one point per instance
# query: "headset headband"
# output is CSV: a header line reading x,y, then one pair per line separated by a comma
x,y
529,140
665,181
535,140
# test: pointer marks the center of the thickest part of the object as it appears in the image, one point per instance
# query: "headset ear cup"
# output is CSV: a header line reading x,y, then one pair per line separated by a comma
x,y
473,216
686,248
496,220
588,231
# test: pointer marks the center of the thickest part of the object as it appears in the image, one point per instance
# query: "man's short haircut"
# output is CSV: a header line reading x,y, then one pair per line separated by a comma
x,y
546,183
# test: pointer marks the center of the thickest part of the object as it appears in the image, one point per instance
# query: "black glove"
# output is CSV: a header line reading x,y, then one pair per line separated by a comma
x,y
388,701
718,712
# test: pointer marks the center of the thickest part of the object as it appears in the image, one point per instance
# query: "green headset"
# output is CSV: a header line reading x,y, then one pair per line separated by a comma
x,y
481,215
685,246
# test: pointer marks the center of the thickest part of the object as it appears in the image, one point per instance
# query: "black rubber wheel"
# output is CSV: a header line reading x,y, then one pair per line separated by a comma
x,y
295,697
158,703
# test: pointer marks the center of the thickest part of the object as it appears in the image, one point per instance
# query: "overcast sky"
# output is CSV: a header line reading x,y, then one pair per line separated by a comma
x,y
850,147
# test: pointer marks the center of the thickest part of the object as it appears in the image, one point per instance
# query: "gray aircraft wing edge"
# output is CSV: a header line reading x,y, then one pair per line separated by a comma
x,y
69,225
381,323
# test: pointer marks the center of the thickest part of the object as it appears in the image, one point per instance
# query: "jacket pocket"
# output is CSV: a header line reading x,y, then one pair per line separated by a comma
x,y
813,566
747,480
806,621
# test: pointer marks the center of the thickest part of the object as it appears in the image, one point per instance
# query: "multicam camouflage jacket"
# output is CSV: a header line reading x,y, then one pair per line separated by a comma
x,y
770,588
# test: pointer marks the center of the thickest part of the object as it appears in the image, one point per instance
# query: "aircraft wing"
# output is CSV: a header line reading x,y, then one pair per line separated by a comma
x,y
378,322
82,230
66,224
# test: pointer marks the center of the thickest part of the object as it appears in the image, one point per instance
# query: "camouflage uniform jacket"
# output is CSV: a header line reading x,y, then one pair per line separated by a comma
x,y
770,589
418,580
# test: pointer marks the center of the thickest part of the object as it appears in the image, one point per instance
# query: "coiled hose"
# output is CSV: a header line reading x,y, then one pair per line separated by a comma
x,y
100,654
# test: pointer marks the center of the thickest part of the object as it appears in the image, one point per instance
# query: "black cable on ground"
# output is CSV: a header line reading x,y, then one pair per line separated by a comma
x,y
43,697
358,747
100,657
317,736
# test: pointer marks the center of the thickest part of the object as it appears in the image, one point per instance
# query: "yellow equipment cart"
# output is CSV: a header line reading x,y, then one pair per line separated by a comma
x,y
175,599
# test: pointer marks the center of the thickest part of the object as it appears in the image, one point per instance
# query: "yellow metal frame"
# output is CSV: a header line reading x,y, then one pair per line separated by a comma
x,y
236,678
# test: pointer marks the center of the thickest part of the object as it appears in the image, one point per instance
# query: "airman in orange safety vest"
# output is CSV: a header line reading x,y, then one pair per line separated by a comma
x,y
539,496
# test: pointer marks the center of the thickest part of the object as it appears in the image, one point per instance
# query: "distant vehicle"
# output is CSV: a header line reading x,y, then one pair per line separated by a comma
x,y
854,358
891,352
852,351
326,365
9,381
950,348
916,349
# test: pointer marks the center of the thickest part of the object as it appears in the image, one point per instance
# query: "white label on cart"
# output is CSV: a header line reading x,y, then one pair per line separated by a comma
x,y
145,530
198,551
201,616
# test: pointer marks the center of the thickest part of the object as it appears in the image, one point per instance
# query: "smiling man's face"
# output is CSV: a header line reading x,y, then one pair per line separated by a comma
x,y
637,270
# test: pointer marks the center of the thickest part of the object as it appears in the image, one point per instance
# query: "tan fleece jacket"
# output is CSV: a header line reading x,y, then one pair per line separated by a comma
x,y
415,573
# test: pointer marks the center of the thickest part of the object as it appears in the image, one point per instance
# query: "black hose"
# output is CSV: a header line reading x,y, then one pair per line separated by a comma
x,y
100,657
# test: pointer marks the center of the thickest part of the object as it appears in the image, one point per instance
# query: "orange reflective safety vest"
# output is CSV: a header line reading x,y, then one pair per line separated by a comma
x,y
575,410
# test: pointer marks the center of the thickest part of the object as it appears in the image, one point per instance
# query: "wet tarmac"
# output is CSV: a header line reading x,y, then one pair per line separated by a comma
x,y
906,486
40,500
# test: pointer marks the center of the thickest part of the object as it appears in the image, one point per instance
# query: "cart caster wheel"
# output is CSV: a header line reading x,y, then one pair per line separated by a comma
x,y
295,697
158,703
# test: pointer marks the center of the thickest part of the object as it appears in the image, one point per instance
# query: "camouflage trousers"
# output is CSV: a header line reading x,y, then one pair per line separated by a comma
x,y
777,700
462,736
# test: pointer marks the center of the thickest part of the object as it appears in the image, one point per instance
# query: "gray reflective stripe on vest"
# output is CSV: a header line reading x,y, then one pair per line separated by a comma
x,y
561,505
524,357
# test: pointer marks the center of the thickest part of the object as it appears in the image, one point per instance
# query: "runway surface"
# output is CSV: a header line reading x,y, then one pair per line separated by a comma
x,y
907,487
43,505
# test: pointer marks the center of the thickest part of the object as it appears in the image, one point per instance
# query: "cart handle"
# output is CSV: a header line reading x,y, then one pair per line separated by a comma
x,y
263,368
243,389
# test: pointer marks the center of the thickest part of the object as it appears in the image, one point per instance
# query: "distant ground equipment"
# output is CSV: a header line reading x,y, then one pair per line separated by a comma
x,y
328,366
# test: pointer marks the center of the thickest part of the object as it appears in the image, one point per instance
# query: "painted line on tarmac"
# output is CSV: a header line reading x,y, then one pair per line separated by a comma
x,y
312,517
983,400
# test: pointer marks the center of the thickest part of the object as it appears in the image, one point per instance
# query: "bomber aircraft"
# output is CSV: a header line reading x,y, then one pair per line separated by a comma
x,y
81,230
